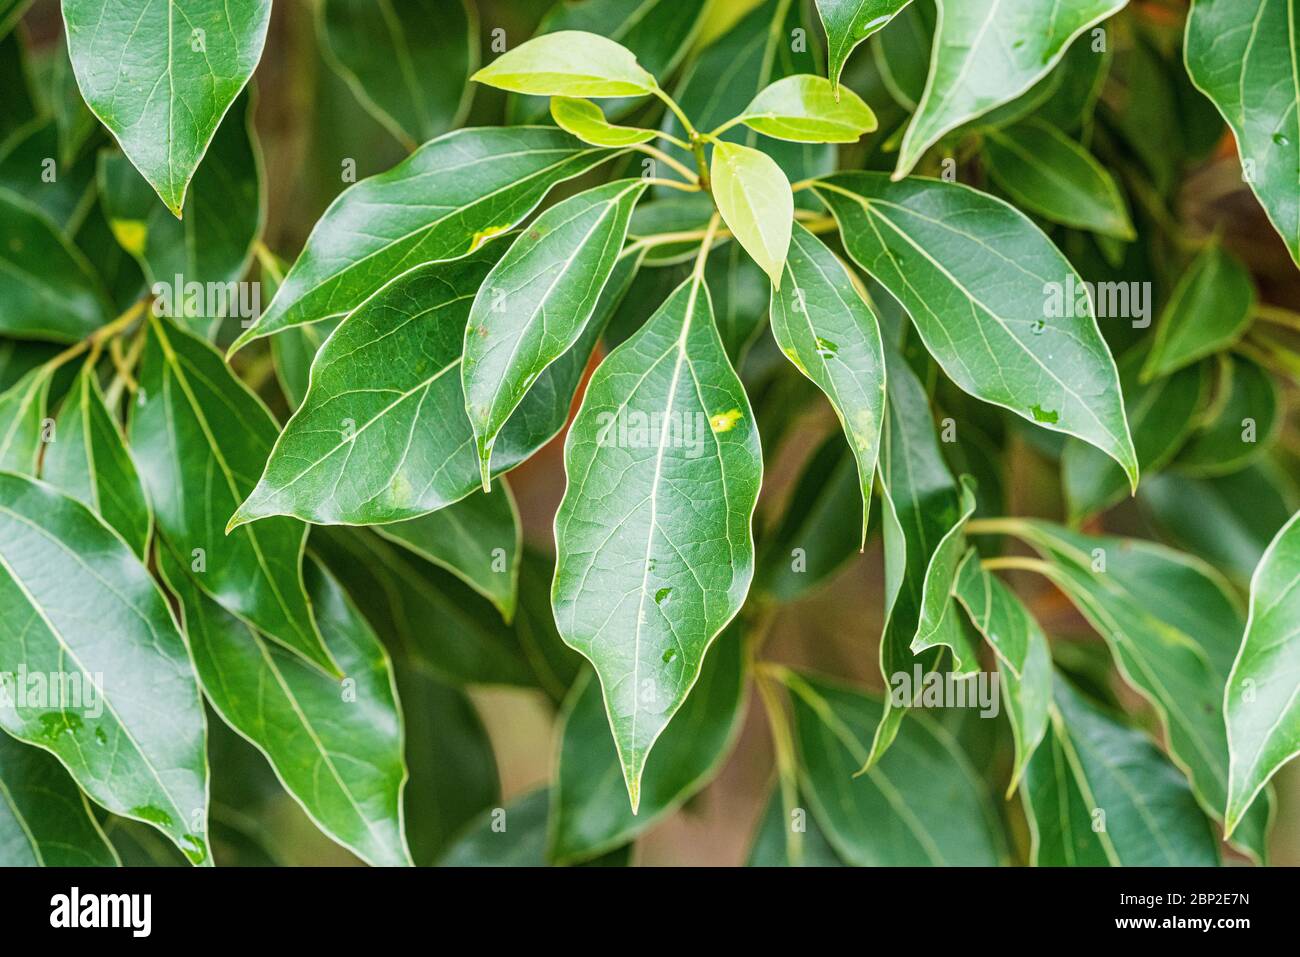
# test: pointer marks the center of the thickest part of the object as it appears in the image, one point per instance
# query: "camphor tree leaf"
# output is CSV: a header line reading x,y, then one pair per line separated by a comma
x,y
756,203
1048,173
89,460
772,849
804,109
336,748
442,202
535,303
568,63
587,122
515,836
198,436
1250,413
22,414
991,299
986,54
653,534
589,816
44,819
127,720
902,54
922,804
1209,310
1100,794
1260,700
407,61
1243,57
848,23
162,76
51,291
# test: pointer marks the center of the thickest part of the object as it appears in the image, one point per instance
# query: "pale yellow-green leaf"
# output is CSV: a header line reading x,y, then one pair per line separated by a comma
x,y
756,203
587,122
804,108
568,63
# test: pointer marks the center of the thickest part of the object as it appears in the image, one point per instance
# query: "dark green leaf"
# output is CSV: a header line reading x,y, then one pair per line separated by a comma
x,y
1248,414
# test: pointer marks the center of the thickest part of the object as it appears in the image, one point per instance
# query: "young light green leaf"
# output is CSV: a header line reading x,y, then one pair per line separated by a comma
x,y
568,63
805,109
1260,704
756,203
589,816
1099,794
442,202
987,291
22,414
1209,310
45,820
921,805
850,22
653,534
199,435
162,76
987,54
1243,57
1249,415
407,62
536,302
89,460
338,754
1048,173
587,122
129,724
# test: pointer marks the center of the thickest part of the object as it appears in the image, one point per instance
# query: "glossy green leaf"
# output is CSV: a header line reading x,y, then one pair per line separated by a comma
x,y
128,721
902,53
1099,794
938,623
756,203
51,291
568,63
848,23
1209,310
1249,412
515,836
993,300
587,122
805,109
921,805
45,820
1260,702
162,76
773,847
589,816
199,436
336,746
536,302
987,54
1243,57
829,332
442,202
653,534
22,414
1048,173
89,460
407,61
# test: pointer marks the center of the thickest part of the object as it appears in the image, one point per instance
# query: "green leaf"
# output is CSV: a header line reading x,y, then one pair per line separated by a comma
x,y
515,836
25,171
20,105
756,203
987,54
921,805
805,109
902,54
589,816
568,63
11,12
442,202
536,302
1240,55
89,460
1048,173
199,435
587,122
478,540
1083,72
653,534
848,23
1209,310
771,845
1100,794
992,299
1248,416
22,412
1260,703
336,746
45,820
407,62
128,722
162,76
51,291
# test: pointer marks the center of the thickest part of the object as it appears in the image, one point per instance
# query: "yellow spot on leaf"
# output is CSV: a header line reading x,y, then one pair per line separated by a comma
x,y
483,235
131,234
725,421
